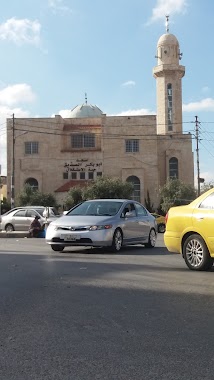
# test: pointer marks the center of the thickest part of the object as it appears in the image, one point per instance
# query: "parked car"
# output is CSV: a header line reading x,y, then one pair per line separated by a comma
x,y
103,222
160,219
42,210
20,218
190,231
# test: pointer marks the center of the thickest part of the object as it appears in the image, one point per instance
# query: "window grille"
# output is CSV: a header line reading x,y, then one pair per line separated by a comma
x,y
132,146
31,147
79,141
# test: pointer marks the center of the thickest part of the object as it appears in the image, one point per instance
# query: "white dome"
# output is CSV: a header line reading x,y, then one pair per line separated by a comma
x,y
168,39
86,110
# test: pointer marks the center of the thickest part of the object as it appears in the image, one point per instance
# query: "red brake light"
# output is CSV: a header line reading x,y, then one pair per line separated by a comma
x,y
166,217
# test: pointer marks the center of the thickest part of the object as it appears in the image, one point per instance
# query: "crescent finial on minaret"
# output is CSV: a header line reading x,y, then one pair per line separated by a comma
x,y
167,23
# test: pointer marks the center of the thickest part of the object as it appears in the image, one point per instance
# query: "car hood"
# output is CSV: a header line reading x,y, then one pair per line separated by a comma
x,y
79,220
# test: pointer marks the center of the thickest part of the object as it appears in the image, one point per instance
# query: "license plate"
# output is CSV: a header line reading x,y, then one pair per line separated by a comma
x,y
70,237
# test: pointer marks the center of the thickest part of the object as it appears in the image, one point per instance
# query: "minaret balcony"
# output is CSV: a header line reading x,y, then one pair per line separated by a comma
x,y
162,70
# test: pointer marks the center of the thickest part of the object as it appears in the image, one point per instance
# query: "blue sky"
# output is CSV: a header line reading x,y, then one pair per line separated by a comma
x,y
53,51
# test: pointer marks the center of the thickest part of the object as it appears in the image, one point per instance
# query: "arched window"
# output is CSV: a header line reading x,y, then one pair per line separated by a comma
x,y
33,183
136,184
173,167
169,106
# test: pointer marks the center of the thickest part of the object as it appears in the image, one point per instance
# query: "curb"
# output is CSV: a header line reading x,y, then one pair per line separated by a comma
x,y
15,234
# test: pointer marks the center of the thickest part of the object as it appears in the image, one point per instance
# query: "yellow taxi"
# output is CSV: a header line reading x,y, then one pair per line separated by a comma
x,y
190,231
160,220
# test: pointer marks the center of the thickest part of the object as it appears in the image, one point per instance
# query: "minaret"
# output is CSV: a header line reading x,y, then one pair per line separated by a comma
x,y
168,74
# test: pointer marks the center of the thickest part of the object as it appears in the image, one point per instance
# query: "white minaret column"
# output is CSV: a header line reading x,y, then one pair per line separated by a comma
x,y
168,74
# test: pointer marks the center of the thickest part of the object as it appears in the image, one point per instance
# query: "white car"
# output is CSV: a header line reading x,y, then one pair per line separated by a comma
x,y
20,218
103,222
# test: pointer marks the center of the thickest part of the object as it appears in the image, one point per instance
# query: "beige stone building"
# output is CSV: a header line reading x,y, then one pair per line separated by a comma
x,y
54,154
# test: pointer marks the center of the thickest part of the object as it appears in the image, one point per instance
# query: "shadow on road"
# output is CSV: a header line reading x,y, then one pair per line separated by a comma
x,y
128,250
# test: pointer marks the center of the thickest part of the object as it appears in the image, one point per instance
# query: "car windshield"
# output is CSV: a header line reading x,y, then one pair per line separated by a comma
x,y
96,208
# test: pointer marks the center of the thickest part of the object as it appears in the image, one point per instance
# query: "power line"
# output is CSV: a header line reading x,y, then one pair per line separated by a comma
x,y
45,120
114,135
25,125
207,149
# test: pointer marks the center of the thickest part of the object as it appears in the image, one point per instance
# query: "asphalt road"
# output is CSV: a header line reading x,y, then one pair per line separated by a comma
x,y
87,315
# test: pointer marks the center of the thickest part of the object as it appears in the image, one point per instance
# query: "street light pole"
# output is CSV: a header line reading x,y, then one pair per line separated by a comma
x,y
13,165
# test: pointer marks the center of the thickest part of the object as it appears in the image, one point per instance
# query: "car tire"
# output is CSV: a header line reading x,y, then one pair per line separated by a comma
x,y
152,239
57,248
161,228
117,240
9,228
196,254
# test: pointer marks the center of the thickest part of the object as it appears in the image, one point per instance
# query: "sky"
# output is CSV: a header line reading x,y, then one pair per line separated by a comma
x,y
54,51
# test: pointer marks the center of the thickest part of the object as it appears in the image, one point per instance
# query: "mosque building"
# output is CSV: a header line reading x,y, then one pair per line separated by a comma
x,y
55,154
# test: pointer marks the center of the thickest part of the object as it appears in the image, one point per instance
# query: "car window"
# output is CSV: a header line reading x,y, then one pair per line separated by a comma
x,y
20,213
31,213
141,211
54,211
130,209
40,211
208,202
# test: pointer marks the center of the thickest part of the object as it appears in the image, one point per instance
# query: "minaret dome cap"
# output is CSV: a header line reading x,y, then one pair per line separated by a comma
x,y
168,39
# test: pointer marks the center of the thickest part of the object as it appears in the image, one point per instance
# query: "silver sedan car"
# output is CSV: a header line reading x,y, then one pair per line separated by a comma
x,y
20,218
103,223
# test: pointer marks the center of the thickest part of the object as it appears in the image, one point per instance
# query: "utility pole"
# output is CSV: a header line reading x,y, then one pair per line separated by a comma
x,y
197,153
13,164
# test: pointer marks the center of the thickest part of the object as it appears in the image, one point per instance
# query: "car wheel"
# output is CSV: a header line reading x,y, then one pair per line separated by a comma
x,y
57,248
9,228
196,254
152,239
117,241
161,228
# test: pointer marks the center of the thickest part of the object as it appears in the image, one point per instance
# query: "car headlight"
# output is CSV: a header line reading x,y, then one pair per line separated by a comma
x,y
105,227
52,227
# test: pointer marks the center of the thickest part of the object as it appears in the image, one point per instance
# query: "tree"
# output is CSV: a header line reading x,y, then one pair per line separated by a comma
x,y
176,193
102,188
206,186
5,205
74,196
106,187
148,204
30,197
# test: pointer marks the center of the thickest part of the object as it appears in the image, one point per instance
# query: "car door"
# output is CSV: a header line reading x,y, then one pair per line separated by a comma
x,y
130,222
143,222
18,220
203,220
30,215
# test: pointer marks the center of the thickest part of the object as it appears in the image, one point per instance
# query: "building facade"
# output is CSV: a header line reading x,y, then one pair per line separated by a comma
x,y
55,154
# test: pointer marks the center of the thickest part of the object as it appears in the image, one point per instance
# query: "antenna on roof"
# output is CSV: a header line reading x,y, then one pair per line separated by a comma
x,y
167,23
86,99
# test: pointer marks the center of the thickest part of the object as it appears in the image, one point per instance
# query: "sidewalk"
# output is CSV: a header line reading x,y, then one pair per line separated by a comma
x,y
14,234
